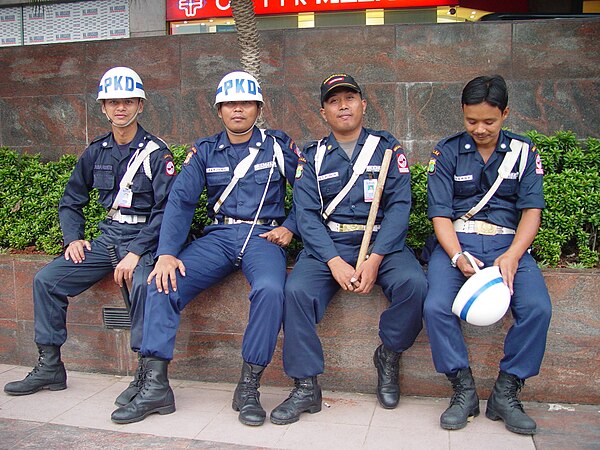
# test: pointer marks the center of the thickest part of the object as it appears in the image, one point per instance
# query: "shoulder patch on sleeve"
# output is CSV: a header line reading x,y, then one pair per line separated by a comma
x,y
431,166
402,163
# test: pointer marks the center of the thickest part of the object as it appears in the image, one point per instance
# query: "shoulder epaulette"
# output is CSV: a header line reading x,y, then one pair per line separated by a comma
x,y
101,137
450,138
214,138
151,137
519,137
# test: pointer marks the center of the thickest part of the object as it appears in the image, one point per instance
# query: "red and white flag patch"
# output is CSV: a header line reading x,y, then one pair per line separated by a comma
x,y
402,163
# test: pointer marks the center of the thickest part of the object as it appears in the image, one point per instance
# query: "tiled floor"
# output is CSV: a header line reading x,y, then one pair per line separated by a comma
x,y
79,418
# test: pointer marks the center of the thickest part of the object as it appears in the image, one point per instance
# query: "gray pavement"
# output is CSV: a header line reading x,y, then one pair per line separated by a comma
x,y
79,418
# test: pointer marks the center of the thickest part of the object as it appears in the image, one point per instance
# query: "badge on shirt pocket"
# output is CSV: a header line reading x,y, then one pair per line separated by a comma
x,y
125,197
370,186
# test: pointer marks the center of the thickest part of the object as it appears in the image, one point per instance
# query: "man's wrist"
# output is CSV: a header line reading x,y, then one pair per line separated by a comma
x,y
454,259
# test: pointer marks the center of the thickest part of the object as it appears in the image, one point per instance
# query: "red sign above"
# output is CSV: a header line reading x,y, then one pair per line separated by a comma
x,y
204,9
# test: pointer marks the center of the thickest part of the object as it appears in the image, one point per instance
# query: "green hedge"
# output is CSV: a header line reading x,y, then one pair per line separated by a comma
x,y
30,191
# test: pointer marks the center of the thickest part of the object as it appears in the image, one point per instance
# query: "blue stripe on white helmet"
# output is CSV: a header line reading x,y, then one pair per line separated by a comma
x,y
120,82
238,86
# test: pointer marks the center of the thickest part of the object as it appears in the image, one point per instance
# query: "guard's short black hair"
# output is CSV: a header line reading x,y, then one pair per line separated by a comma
x,y
489,89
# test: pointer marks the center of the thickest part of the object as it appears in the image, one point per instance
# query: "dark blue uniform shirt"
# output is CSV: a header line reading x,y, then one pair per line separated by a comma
x,y
458,179
102,166
211,163
336,170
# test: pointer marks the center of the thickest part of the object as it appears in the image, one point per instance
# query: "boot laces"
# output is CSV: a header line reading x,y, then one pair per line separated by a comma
x,y
249,388
299,390
38,366
512,391
139,375
144,379
390,364
458,398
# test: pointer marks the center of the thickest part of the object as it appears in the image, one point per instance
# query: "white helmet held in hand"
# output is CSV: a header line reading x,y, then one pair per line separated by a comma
x,y
238,86
484,298
120,82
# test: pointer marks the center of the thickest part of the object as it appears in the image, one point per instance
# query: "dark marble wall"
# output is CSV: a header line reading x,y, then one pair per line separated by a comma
x,y
412,76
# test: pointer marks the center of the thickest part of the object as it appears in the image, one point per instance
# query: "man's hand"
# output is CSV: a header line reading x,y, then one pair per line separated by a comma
x,y
508,264
75,250
125,268
465,266
164,271
366,274
342,272
280,236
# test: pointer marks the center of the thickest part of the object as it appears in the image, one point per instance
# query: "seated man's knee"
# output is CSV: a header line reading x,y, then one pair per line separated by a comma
x,y
44,277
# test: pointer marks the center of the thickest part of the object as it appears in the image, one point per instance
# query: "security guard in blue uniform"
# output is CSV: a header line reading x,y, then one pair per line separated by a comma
x,y
244,170
462,169
331,247
132,227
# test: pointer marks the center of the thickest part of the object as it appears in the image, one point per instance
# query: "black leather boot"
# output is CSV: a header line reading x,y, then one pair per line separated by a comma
x,y
387,363
49,373
504,404
464,403
305,397
246,398
134,387
155,395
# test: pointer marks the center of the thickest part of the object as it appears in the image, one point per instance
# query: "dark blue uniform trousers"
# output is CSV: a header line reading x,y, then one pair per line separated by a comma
x,y
530,305
310,288
61,279
208,260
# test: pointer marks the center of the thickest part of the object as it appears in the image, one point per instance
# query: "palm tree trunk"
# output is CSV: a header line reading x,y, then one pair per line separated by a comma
x,y
248,38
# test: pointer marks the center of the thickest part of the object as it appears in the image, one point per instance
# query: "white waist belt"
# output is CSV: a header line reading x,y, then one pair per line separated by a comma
x,y
123,218
347,227
480,227
232,221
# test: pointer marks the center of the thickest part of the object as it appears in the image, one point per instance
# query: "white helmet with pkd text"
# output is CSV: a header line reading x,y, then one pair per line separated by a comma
x,y
120,82
484,298
238,86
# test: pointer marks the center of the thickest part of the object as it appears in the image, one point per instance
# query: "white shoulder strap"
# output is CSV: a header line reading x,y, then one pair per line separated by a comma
x,y
523,161
318,161
510,158
357,170
319,157
276,150
132,168
238,173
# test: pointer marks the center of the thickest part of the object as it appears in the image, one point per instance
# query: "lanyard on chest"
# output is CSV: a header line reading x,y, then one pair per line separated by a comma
x,y
133,166
516,148
244,165
358,169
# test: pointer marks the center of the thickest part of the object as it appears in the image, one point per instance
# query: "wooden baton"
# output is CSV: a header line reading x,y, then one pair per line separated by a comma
x,y
364,246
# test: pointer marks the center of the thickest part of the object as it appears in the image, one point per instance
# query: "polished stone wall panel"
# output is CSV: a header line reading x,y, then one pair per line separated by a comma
x,y
34,70
365,52
155,59
548,49
412,76
557,105
45,125
198,116
451,52
8,303
8,341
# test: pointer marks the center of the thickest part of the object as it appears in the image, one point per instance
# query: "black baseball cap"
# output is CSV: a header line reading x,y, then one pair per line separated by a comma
x,y
337,80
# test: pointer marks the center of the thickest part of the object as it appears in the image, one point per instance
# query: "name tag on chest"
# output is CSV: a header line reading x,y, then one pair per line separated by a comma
x,y
217,169
327,176
262,166
463,178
